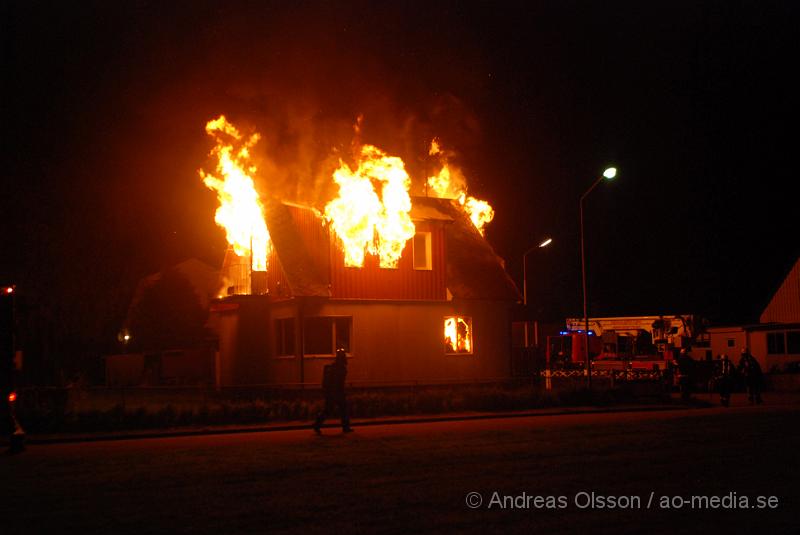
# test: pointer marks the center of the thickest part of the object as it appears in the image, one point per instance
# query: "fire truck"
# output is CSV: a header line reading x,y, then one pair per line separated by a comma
x,y
568,349
639,342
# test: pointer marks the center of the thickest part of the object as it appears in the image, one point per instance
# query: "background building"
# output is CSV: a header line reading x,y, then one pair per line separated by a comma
x,y
775,340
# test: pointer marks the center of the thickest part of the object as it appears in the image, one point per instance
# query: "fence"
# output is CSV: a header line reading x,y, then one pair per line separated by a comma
x,y
103,398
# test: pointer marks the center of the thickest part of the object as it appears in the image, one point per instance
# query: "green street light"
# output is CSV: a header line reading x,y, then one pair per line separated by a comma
x,y
610,173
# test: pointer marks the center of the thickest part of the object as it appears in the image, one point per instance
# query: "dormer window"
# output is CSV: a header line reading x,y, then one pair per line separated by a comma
x,y
422,251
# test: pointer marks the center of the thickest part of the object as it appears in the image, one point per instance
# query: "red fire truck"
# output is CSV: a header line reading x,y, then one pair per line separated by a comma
x,y
639,342
568,349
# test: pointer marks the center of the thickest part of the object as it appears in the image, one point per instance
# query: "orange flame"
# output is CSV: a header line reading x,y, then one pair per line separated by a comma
x,y
365,222
457,337
240,211
480,212
450,183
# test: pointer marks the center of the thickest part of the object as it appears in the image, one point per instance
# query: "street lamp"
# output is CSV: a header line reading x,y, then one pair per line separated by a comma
x,y
541,245
608,174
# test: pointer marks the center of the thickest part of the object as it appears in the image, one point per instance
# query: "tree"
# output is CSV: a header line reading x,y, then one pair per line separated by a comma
x,y
168,315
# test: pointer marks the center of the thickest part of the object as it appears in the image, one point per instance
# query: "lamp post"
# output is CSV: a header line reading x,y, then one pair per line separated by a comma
x,y
543,244
608,174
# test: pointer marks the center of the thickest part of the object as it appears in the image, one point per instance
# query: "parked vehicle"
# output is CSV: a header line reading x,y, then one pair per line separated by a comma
x,y
633,342
568,349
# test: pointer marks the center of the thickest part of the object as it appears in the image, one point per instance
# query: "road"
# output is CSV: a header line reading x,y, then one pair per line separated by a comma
x,y
416,477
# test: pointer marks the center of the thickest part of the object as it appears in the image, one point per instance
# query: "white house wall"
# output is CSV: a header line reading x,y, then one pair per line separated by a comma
x,y
754,340
391,343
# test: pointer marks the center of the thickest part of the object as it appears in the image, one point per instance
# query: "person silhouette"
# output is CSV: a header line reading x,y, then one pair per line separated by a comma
x,y
333,386
725,371
753,377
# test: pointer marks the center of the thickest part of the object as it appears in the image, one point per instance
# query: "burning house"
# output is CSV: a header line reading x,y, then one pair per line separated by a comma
x,y
408,286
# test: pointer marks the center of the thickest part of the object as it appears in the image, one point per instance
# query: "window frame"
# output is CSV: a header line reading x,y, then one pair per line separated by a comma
x,y
333,334
774,348
471,335
280,338
428,236
790,347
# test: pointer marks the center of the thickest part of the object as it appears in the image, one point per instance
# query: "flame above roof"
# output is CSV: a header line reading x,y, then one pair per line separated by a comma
x,y
473,269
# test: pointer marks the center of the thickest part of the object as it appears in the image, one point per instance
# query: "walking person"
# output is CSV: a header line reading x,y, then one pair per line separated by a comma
x,y
685,366
753,377
333,381
725,371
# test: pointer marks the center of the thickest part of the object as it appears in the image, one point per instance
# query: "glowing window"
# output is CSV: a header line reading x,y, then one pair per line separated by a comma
x,y
422,251
457,335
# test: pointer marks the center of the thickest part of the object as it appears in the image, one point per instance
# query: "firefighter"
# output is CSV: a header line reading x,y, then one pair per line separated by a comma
x,y
753,378
685,366
725,371
561,361
333,380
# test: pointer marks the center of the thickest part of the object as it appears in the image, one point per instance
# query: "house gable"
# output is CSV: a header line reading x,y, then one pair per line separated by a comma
x,y
784,307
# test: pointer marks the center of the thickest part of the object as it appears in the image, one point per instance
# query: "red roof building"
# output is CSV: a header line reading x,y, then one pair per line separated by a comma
x,y
775,340
442,315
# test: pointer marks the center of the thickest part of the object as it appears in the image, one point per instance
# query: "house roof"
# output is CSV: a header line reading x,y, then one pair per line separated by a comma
x,y
304,271
772,326
474,271
784,306
430,209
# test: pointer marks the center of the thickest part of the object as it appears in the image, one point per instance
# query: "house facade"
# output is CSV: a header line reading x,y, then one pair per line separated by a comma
x,y
441,315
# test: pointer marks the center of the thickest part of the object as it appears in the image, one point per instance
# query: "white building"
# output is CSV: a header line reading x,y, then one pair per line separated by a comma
x,y
775,340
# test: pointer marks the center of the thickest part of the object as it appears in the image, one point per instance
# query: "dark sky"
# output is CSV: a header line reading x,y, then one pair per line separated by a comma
x,y
694,103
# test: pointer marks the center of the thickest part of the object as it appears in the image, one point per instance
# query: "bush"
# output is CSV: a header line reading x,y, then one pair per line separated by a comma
x,y
51,415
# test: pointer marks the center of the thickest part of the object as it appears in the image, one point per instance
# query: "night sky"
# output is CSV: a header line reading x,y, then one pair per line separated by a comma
x,y
694,102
